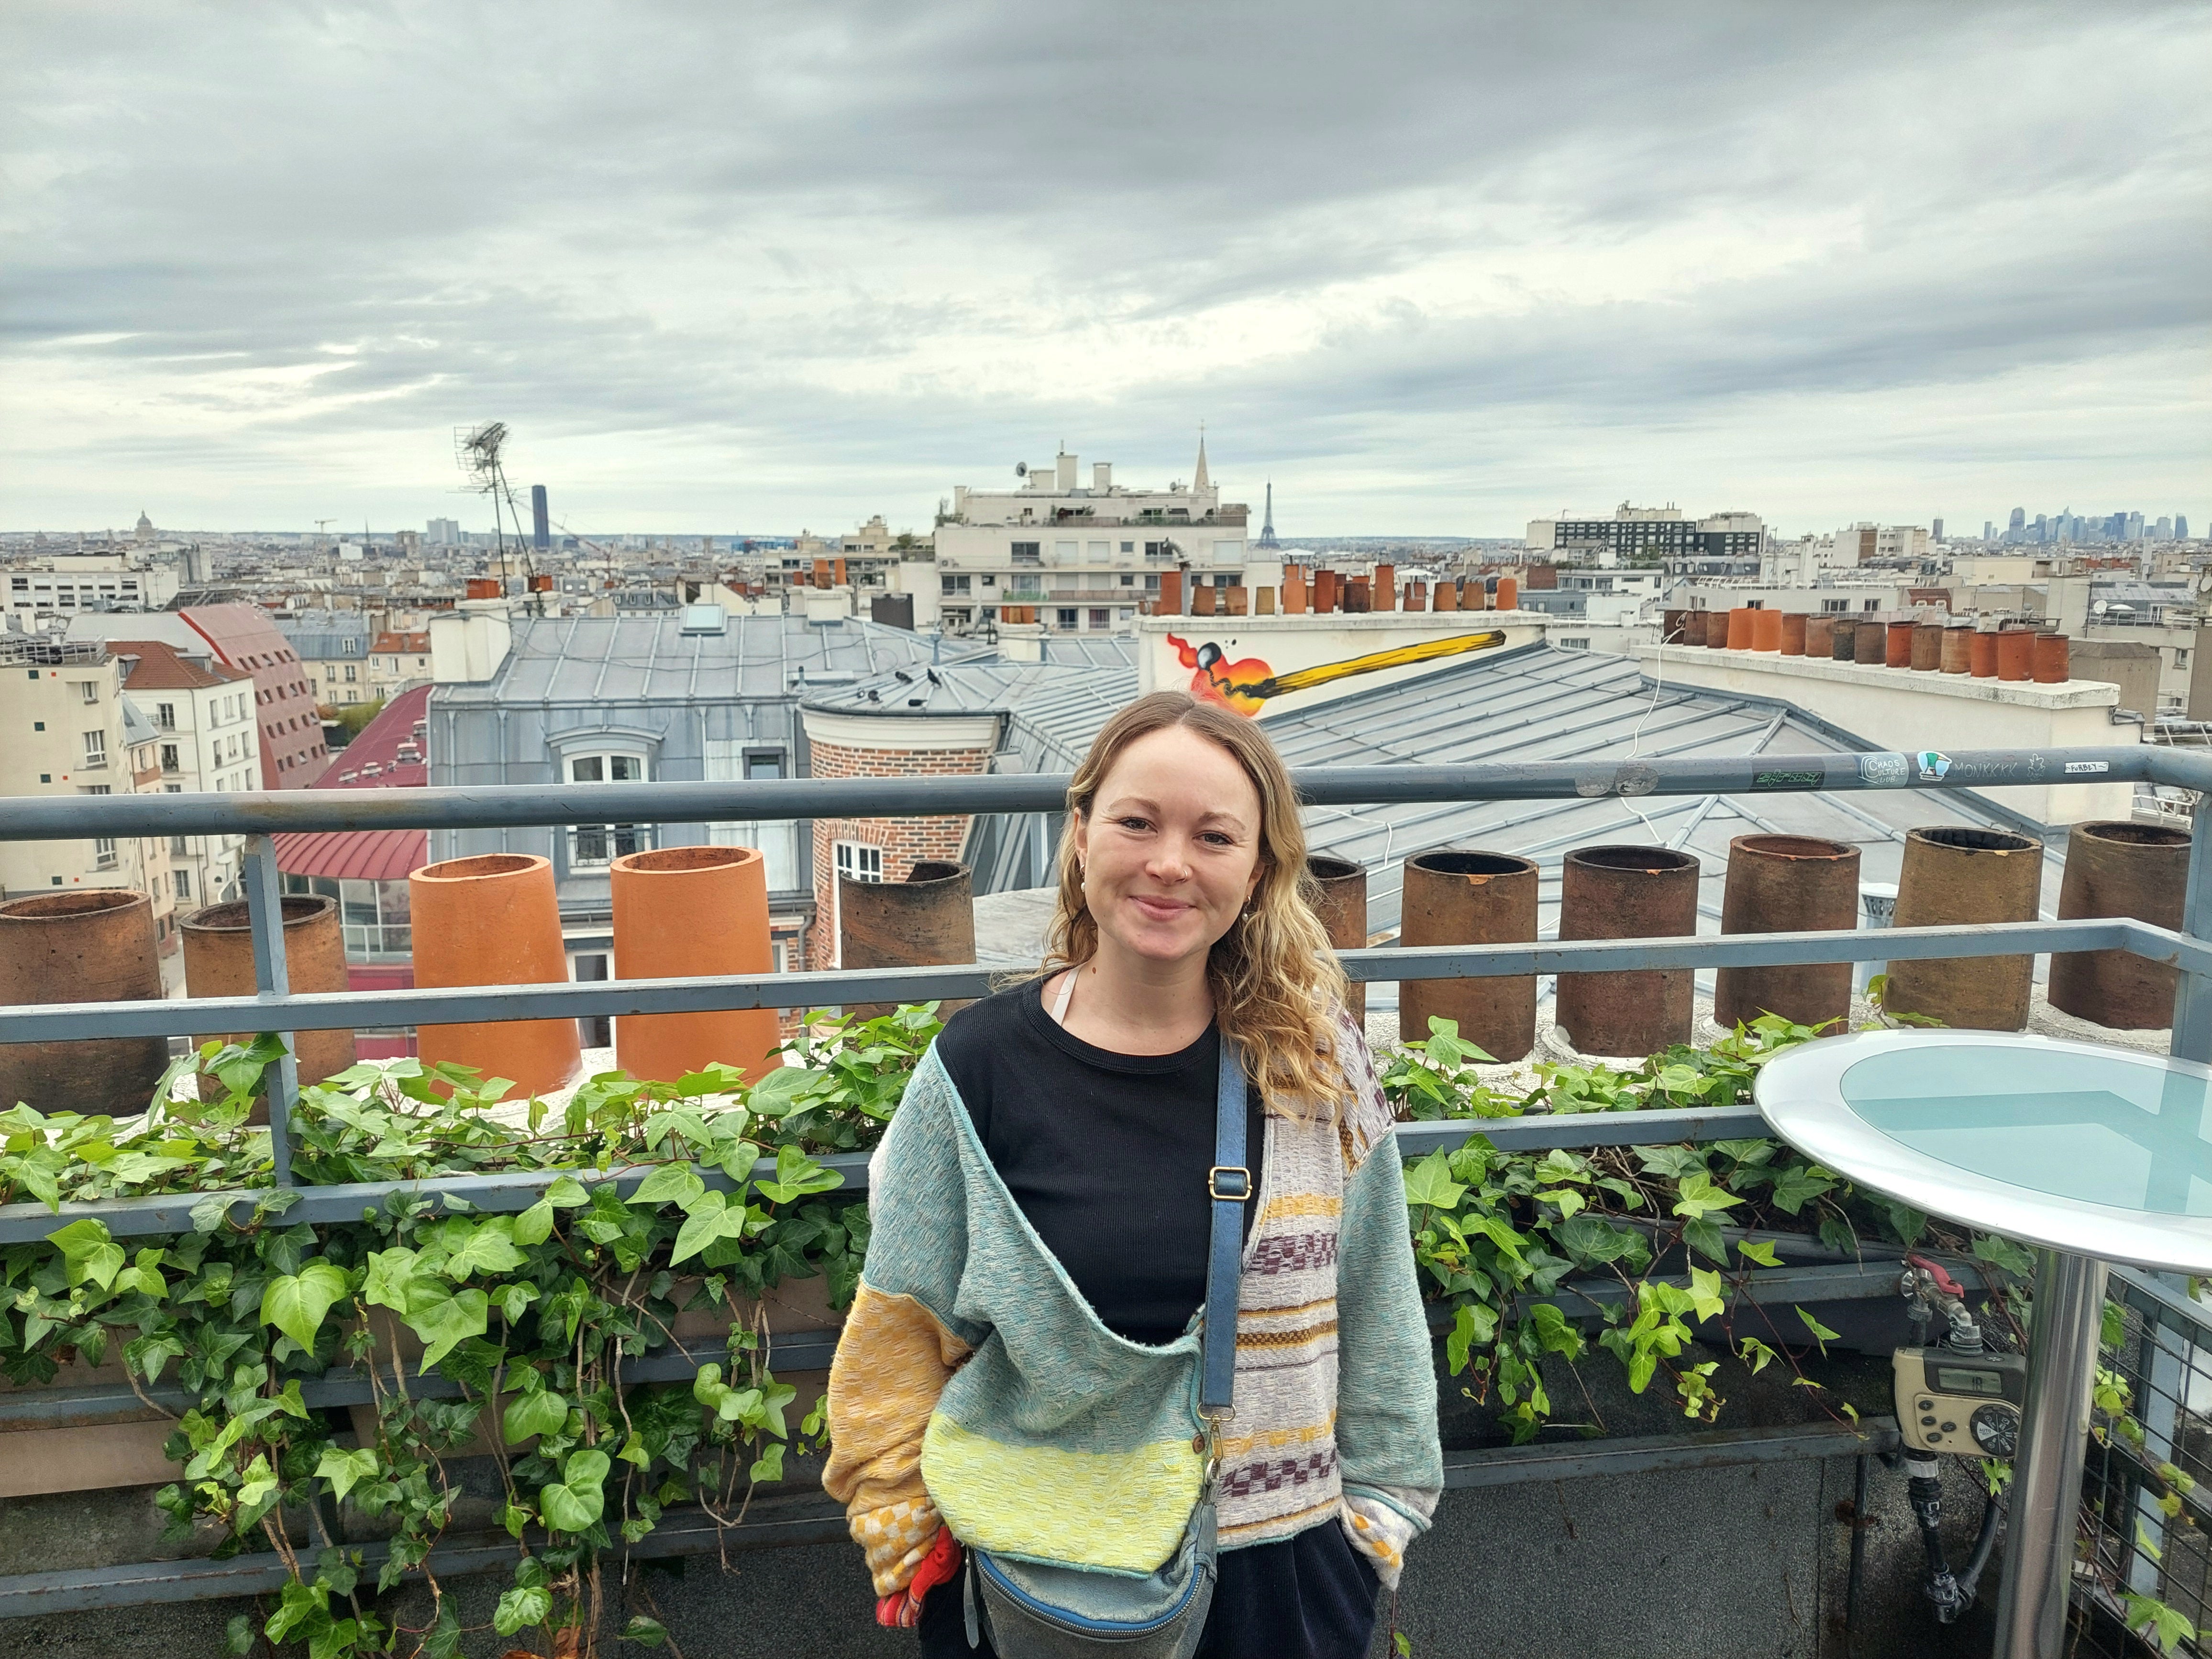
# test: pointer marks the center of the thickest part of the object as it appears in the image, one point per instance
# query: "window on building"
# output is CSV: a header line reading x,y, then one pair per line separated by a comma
x,y
164,716
350,671
1871,605
88,690
1128,579
1027,552
169,757
763,763
854,861
1128,547
1572,644
95,749
1026,585
591,844
181,847
954,587
1066,618
597,1030
1101,619
103,852
182,881
1835,604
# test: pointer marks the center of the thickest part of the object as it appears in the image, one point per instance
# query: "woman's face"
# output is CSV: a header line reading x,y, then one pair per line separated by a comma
x,y
1172,849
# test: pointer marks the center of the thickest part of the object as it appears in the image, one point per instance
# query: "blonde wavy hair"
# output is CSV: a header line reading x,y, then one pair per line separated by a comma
x,y
1276,984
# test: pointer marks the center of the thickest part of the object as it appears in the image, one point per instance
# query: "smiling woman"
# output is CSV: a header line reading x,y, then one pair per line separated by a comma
x,y
1016,1380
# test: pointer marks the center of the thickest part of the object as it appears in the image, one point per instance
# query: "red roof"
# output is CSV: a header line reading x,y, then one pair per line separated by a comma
x,y
245,636
357,855
155,665
370,854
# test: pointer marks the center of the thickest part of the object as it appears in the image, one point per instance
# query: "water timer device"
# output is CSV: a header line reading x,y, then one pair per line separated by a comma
x,y
1965,1404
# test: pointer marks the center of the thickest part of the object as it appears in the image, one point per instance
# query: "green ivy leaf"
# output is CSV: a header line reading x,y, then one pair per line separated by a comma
x,y
1703,1235
647,1632
1429,1181
712,1217
541,1412
796,1176
1697,1196
1795,1188
345,1470
1762,1252
535,1225
88,1251
393,1275
443,1321
672,1183
486,1247
1473,1323
296,1302
1821,1334
522,1608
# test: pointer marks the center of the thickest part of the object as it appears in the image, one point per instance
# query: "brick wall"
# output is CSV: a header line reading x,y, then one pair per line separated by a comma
x,y
905,841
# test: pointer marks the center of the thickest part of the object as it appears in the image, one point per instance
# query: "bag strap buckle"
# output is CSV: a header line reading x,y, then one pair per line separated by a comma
x,y
1229,1183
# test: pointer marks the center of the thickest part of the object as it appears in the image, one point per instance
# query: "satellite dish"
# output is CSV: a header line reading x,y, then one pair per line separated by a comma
x,y
2205,582
2099,607
1021,469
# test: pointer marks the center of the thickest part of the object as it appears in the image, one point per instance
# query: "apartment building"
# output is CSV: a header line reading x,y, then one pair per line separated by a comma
x,y
1078,556
333,646
241,636
62,732
201,714
397,662
1634,533
63,584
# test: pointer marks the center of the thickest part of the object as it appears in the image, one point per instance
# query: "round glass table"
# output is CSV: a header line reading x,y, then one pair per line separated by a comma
x,y
2091,1154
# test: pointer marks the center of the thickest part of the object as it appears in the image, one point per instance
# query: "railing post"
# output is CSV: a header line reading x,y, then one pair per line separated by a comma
x,y
265,910
2192,1000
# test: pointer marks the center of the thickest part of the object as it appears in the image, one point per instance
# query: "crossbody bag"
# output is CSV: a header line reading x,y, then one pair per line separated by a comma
x,y
1033,1610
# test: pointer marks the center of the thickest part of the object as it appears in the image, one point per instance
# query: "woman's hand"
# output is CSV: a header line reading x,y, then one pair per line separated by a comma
x,y
901,1609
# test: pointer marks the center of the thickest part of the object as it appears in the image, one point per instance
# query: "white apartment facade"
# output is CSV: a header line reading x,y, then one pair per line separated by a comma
x,y
64,583
62,712
1081,555
205,740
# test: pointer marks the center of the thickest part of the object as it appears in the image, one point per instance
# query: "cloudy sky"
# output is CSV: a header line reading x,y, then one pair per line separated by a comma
x,y
1432,268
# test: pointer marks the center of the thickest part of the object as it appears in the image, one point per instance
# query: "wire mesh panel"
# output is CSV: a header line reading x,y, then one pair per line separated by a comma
x,y
2145,1570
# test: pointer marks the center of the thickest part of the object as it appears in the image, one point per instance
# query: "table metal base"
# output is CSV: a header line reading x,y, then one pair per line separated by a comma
x,y
2054,1439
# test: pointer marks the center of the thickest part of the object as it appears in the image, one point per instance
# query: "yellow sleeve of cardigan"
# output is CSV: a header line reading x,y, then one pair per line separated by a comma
x,y
892,1362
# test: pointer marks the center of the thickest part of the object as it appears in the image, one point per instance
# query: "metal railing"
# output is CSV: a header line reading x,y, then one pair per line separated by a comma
x,y
2170,1333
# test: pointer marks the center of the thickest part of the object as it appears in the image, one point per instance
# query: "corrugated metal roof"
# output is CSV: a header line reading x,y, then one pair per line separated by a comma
x,y
1535,703
358,855
650,658
1542,704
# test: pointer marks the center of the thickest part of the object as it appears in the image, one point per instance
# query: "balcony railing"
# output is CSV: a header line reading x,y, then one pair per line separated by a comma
x,y
2175,1331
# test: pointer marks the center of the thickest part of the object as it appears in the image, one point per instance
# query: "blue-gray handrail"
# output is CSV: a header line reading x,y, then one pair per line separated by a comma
x,y
260,816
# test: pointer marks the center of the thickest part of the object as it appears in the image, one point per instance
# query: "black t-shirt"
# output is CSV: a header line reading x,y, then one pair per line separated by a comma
x,y
1106,1154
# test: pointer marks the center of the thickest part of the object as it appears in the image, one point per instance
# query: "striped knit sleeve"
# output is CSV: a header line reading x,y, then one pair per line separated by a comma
x,y
898,1350
1391,1459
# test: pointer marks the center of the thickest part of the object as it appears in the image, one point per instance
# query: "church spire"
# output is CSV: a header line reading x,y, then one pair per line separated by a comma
x,y
1200,481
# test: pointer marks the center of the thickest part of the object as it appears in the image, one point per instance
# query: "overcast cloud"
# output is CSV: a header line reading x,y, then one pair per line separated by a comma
x,y
1431,268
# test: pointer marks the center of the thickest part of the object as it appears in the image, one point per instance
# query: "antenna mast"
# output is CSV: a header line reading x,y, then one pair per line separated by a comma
x,y
477,449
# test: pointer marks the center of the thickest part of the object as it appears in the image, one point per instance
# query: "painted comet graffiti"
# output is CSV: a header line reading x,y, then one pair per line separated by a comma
x,y
1246,685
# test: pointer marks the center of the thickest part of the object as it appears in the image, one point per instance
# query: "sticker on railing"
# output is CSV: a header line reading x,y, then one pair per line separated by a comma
x,y
1933,766
1884,770
1812,780
2076,768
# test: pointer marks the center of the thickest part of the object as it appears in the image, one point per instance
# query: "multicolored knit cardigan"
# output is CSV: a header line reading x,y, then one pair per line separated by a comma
x,y
974,1387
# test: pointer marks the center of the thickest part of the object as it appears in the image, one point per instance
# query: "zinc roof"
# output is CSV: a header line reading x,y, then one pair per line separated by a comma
x,y
650,657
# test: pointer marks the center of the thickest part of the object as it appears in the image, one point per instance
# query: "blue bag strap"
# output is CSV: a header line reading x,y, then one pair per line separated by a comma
x,y
1229,1184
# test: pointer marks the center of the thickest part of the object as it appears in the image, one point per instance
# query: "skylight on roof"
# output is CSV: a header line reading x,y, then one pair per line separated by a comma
x,y
705,619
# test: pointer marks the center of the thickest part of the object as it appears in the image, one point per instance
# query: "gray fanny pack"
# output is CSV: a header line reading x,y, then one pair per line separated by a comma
x,y
1036,1610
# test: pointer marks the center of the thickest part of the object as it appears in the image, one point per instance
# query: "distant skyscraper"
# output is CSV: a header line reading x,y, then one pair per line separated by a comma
x,y
1936,532
2135,526
1267,519
540,533
442,532
2018,524
1989,529
2181,527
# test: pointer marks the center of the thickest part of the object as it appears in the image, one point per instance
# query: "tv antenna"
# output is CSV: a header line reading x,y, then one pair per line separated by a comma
x,y
477,449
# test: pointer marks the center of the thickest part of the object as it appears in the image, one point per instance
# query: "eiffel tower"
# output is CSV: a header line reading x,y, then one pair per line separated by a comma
x,y
1267,520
